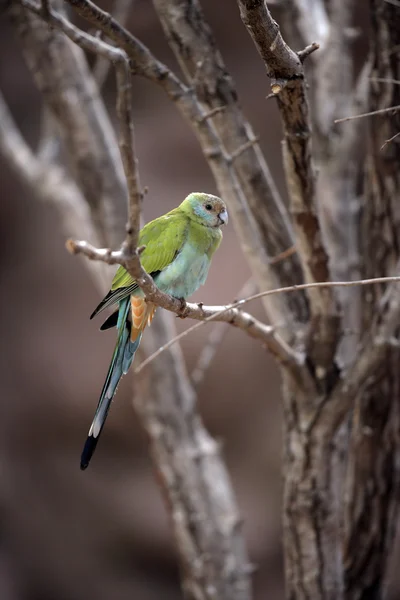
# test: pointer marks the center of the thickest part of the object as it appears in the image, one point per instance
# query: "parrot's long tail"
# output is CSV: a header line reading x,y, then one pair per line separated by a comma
x,y
130,328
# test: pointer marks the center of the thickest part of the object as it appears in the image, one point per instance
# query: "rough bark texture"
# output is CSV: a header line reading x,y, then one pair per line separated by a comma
x,y
312,539
372,494
320,442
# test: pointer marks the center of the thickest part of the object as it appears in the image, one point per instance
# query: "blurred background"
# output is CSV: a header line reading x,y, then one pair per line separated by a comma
x,y
104,533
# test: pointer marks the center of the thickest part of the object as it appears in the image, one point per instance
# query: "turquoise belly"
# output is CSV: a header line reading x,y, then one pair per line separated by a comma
x,y
185,274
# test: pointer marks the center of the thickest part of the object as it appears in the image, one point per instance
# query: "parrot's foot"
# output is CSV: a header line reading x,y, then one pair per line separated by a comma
x,y
183,311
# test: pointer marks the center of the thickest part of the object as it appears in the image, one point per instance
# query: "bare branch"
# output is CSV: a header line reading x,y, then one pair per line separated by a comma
x,y
207,353
385,80
381,111
244,321
228,314
390,140
303,54
285,69
214,340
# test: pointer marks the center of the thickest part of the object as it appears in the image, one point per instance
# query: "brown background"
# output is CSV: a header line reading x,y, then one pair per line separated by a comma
x,y
104,533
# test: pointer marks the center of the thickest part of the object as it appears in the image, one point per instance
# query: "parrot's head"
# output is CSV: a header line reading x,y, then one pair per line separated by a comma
x,y
207,209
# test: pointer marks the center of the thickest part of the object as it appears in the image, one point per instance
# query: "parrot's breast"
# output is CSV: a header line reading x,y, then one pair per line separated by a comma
x,y
187,272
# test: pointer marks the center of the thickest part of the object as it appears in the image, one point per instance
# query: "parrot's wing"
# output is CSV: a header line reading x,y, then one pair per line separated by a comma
x,y
163,239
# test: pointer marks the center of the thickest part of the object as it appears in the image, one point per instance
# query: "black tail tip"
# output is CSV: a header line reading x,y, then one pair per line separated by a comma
x,y
88,450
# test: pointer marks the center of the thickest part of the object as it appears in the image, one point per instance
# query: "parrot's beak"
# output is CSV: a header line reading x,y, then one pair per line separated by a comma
x,y
223,217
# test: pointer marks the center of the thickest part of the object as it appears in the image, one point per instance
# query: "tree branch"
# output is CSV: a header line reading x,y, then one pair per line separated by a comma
x,y
214,340
372,113
285,69
227,314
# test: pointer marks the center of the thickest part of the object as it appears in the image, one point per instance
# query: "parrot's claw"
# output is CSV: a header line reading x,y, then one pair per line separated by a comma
x,y
183,311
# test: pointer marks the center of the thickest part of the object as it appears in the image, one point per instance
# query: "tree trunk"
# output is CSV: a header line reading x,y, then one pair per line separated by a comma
x,y
342,475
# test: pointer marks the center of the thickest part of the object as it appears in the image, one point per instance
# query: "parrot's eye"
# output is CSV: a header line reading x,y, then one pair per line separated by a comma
x,y
208,206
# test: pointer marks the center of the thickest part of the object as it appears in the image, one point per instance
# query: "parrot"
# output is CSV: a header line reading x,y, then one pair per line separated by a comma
x,y
177,252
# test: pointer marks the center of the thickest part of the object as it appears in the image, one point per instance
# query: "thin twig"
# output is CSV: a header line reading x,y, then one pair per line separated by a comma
x,y
381,111
394,2
211,113
385,80
207,353
214,340
303,54
283,255
390,140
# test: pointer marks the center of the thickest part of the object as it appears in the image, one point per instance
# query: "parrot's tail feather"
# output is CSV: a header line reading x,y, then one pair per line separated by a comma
x,y
113,297
89,448
110,322
121,361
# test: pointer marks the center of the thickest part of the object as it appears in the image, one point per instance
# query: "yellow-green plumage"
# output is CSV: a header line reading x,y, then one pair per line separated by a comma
x,y
178,251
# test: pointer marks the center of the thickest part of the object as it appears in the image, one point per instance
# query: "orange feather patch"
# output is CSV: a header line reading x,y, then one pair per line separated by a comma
x,y
142,313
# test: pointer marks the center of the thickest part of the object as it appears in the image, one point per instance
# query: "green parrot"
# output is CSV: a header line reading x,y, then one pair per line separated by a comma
x,y
178,251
